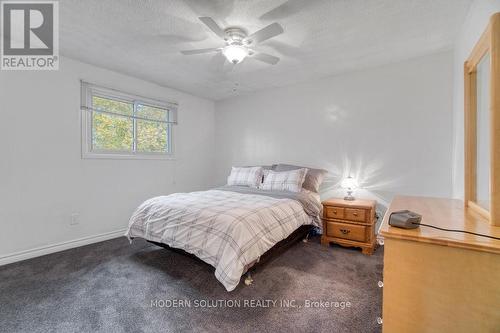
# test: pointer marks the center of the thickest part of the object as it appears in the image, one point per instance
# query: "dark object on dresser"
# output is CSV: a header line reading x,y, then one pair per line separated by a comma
x,y
405,219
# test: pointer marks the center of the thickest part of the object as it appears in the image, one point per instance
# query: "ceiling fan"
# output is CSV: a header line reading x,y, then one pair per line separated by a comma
x,y
239,43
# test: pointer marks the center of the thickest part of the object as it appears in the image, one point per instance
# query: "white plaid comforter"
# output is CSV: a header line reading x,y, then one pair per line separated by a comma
x,y
225,229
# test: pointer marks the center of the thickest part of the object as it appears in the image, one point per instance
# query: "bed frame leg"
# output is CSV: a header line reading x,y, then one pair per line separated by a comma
x,y
305,240
248,279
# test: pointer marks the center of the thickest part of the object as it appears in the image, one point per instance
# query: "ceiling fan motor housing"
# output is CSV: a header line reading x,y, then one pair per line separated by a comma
x,y
236,49
235,34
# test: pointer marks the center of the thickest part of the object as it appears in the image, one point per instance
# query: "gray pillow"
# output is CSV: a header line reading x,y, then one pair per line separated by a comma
x,y
314,177
264,167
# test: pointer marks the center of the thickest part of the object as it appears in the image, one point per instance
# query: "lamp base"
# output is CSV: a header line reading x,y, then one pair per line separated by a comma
x,y
349,198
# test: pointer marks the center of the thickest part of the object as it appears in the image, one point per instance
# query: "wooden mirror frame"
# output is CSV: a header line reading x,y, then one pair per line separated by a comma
x,y
489,42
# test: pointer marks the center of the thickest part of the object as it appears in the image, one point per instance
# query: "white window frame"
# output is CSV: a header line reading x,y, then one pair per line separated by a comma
x,y
88,90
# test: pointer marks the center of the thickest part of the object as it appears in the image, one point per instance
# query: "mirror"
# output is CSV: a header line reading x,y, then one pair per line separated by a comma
x,y
482,124
483,132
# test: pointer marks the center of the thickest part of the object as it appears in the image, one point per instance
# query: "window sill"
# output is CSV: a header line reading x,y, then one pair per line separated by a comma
x,y
117,156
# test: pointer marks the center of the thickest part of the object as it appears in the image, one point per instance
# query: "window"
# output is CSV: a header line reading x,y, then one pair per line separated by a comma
x,y
120,125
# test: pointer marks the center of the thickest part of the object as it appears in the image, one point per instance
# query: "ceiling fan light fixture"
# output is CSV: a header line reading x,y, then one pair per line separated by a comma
x,y
235,53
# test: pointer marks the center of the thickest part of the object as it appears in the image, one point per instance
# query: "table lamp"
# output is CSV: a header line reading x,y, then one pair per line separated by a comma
x,y
350,184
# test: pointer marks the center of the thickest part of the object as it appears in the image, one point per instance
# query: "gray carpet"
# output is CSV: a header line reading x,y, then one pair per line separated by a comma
x,y
110,287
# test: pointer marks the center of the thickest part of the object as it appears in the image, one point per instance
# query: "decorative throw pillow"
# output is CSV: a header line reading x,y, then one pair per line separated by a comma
x,y
251,176
314,177
284,181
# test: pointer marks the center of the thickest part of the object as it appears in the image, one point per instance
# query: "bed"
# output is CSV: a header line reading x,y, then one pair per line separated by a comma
x,y
230,227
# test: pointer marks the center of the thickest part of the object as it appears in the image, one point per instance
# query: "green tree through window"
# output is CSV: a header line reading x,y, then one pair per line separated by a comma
x,y
122,126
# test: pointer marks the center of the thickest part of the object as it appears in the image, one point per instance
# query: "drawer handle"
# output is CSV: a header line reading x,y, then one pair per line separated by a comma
x,y
335,212
345,231
355,214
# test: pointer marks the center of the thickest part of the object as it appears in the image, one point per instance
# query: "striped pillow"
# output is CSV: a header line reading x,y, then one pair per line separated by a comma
x,y
251,177
284,181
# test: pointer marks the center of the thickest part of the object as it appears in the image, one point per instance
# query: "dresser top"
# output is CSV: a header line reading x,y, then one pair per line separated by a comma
x,y
358,203
443,213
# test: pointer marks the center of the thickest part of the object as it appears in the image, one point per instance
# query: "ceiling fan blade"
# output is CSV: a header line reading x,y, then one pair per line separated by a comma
x,y
220,64
267,58
199,51
212,25
263,34
286,49
289,8
171,39
229,67
218,8
217,62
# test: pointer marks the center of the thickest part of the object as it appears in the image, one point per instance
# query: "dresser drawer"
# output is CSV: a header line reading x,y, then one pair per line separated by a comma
x,y
346,231
354,214
334,212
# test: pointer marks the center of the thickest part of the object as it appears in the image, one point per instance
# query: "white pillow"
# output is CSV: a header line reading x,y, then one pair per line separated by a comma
x,y
251,177
284,181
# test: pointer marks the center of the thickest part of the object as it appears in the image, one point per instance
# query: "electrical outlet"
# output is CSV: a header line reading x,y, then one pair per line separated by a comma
x,y
74,219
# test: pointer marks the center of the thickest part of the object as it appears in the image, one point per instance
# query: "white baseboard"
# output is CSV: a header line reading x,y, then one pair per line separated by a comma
x,y
47,249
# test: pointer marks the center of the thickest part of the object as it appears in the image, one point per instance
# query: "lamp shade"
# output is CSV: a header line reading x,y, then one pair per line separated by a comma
x,y
235,53
349,183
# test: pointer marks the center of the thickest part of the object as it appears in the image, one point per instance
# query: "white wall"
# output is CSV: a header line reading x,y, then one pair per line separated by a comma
x,y
391,126
43,178
474,25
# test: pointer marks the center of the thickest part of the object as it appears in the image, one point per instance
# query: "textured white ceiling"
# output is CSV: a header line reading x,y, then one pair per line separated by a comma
x,y
143,38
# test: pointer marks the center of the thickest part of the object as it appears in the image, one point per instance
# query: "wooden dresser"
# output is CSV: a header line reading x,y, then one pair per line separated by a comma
x,y
439,281
349,223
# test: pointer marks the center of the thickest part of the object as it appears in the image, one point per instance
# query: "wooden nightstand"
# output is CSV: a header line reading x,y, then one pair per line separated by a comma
x,y
349,223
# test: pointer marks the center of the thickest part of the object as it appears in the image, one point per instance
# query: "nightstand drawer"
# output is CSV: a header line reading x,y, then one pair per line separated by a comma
x,y
334,212
346,231
355,214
